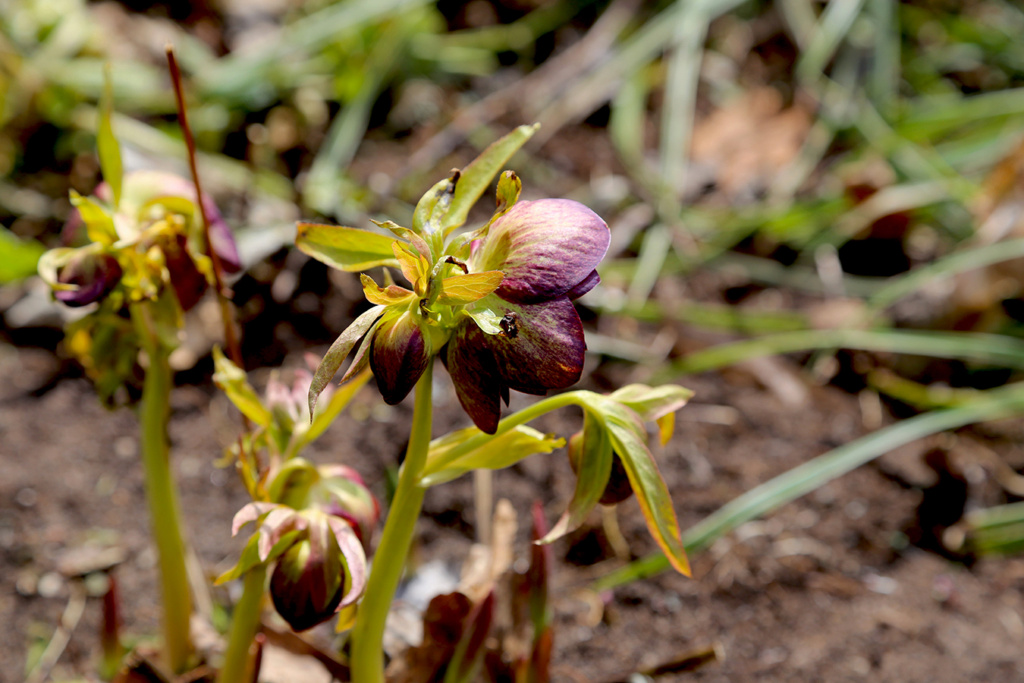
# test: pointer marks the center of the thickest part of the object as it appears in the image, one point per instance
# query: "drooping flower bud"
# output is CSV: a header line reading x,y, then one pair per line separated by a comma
x,y
94,275
309,581
399,356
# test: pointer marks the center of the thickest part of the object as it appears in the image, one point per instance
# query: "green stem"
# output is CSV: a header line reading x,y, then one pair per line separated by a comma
x,y
525,415
245,621
390,558
162,495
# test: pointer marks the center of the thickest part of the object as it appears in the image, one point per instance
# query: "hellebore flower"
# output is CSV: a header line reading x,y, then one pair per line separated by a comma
x,y
547,250
93,276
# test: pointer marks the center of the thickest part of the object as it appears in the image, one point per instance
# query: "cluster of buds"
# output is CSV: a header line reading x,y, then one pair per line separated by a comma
x,y
494,303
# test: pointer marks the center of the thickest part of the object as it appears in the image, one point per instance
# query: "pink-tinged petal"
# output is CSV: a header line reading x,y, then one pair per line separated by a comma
x,y
543,345
250,513
398,356
355,560
474,372
279,522
545,248
95,275
582,288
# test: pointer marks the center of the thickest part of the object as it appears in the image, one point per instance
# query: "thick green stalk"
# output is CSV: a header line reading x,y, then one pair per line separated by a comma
x,y
389,559
164,509
245,621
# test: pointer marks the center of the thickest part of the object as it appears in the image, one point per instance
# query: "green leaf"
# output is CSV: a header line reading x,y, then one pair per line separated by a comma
x,y
497,453
348,249
408,235
18,258
478,175
339,350
629,441
106,144
384,296
250,556
652,403
99,223
232,380
465,289
591,451
432,204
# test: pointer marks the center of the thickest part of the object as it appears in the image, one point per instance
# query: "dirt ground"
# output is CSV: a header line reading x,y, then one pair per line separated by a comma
x,y
826,589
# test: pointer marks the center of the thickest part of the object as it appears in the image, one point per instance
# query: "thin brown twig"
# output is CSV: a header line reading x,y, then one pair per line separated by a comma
x,y
230,337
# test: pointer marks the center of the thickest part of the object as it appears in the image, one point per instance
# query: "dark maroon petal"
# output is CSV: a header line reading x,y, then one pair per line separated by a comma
x,y
545,248
188,282
475,374
95,274
582,288
398,356
547,349
308,583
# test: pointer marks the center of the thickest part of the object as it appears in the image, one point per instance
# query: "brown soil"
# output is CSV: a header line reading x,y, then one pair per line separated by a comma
x,y
823,590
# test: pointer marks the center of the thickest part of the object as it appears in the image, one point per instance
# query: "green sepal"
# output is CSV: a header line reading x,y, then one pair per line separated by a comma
x,y
326,414
233,381
497,453
348,249
292,482
478,175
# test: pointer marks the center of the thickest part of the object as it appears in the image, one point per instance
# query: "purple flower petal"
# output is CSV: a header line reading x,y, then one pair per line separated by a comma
x,y
308,583
547,348
398,356
188,282
545,248
474,372
582,288
96,275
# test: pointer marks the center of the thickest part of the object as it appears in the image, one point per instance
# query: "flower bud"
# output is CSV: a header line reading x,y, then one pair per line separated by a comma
x,y
398,356
309,580
95,275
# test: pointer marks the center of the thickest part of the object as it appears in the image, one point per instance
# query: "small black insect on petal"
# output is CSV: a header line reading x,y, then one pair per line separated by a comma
x,y
510,325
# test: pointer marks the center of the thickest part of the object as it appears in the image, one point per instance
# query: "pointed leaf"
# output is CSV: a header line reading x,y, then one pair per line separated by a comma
x,y
591,454
427,207
498,453
629,442
477,176
339,350
465,289
106,144
232,380
509,188
347,249
384,296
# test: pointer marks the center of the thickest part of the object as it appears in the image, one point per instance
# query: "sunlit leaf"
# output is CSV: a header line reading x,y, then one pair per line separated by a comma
x,y
465,289
233,381
106,144
327,414
347,249
629,443
479,173
339,350
408,235
497,453
414,267
427,207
